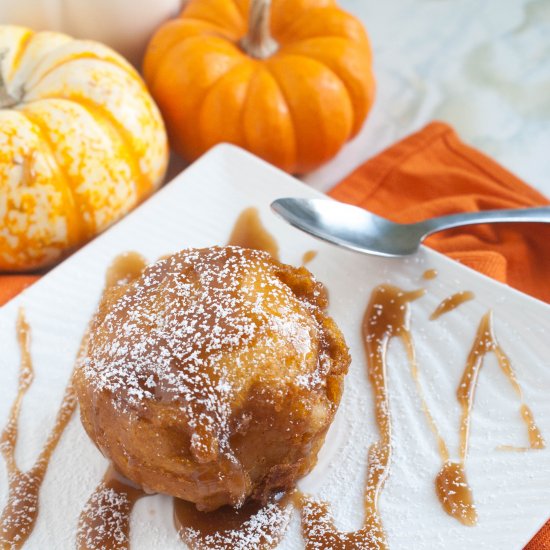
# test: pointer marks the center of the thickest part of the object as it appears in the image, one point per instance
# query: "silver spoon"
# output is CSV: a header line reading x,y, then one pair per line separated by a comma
x,y
358,229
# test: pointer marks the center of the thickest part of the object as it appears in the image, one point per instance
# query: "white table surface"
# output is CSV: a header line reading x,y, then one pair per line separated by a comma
x,y
482,66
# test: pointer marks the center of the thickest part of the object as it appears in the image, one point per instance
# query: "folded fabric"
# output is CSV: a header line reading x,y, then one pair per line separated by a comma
x,y
432,173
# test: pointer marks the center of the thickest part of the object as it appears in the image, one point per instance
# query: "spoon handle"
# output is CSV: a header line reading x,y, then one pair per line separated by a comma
x,y
538,215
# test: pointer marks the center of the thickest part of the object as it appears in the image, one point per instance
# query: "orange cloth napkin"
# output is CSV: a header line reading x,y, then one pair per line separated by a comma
x,y
432,173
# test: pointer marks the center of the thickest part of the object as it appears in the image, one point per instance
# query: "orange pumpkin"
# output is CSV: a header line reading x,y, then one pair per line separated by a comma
x,y
291,82
81,143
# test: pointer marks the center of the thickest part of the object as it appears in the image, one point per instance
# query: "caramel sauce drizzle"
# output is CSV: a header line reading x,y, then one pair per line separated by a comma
x,y
19,515
451,302
249,232
21,511
252,526
387,317
451,484
536,441
320,533
430,274
486,342
309,255
104,522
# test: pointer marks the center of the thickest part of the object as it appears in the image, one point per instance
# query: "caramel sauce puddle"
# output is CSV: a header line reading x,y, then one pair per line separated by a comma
x,y
430,274
254,525
249,232
104,522
309,256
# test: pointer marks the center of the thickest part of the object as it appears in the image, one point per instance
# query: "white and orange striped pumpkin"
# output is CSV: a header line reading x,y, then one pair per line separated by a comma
x,y
81,143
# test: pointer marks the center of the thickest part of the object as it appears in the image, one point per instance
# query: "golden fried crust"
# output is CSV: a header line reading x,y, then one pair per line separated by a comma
x,y
214,376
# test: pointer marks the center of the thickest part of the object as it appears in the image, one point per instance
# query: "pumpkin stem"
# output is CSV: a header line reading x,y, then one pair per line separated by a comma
x,y
6,99
258,42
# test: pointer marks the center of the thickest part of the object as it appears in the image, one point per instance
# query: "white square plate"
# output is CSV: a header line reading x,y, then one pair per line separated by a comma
x,y
198,208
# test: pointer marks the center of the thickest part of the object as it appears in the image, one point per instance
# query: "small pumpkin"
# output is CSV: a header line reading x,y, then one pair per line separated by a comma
x,y
81,143
291,82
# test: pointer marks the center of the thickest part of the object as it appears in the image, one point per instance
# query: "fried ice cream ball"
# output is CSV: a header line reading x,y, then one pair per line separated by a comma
x,y
213,376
